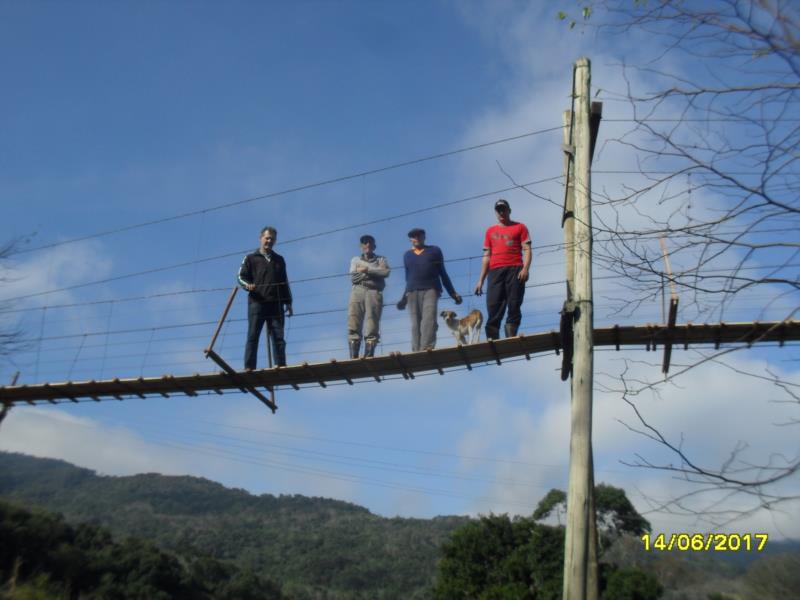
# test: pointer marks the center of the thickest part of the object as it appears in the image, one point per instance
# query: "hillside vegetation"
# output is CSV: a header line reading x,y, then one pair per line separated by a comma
x,y
188,537
314,547
43,557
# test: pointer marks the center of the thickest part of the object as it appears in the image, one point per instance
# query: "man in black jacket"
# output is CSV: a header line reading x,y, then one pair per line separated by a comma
x,y
263,275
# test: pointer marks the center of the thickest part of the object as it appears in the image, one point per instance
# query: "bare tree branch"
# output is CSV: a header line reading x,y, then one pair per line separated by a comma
x,y
716,149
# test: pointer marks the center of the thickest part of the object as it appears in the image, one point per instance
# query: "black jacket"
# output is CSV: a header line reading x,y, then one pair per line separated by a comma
x,y
269,275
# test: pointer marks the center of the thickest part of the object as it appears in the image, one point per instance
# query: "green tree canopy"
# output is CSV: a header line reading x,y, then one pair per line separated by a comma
x,y
615,513
498,557
43,557
632,584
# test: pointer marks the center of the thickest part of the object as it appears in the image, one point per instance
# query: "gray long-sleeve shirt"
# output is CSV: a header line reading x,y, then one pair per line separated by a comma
x,y
375,276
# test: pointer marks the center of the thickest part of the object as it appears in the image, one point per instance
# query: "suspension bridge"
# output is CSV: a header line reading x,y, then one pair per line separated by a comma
x,y
407,365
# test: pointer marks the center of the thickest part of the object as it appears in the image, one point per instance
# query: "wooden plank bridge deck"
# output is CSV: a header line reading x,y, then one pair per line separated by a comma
x,y
396,363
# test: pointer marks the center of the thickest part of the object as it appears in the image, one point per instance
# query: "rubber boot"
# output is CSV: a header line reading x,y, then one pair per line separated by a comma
x,y
511,330
369,349
492,333
355,347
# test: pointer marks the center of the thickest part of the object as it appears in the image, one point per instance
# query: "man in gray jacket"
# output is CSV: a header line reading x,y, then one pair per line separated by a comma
x,y
368,273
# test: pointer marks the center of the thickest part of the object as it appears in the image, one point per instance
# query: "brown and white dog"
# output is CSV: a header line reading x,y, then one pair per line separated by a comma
x,y
468,327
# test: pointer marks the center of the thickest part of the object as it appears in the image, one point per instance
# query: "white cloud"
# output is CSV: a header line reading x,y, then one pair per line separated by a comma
x,y
72,264
54,433
39,272
237,451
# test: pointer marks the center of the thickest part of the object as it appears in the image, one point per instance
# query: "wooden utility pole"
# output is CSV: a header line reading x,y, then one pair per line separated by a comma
x,y
580,553
568,216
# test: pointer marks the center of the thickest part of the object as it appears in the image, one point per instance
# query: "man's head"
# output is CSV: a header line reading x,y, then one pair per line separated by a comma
x,y
503,211
367,244
417,237
269,236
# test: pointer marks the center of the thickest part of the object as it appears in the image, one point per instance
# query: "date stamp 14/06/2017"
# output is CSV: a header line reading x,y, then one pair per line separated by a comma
x,y
705,542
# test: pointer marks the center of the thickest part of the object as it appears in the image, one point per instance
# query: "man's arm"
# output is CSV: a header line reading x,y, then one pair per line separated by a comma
x,y
407,267
448,285
244,276
487,255
288,301
527,256
356,275
401,305
381,269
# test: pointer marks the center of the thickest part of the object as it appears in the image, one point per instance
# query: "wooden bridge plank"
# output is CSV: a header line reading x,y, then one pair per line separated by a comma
x,y
396,364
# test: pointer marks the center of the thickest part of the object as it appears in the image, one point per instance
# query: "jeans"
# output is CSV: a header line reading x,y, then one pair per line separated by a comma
x,y
504,290
422,305
259,313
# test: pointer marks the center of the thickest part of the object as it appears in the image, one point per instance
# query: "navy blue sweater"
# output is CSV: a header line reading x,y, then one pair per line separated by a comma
x,y
426,271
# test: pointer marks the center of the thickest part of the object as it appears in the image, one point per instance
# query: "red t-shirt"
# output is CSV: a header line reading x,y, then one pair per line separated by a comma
x,y
504,243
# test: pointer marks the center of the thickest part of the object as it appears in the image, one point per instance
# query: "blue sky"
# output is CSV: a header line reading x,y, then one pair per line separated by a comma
x,y
115,114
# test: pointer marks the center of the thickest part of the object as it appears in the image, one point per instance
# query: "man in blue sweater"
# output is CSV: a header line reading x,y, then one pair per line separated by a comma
x,y
425,275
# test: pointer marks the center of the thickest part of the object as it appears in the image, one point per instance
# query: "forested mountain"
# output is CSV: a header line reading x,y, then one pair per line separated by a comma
x,y
311,546
197,539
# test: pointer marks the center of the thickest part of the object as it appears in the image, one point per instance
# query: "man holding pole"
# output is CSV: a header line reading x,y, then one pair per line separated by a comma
x,y
263,275
507,260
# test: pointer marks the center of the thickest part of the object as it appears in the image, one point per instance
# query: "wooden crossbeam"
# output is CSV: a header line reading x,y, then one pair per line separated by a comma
x,y
236,379
396,363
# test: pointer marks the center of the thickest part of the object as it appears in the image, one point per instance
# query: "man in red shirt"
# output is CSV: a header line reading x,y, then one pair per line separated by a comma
x,y
507,260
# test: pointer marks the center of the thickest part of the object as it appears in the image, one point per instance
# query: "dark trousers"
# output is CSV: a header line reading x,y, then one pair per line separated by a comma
x,y
503,291
259,313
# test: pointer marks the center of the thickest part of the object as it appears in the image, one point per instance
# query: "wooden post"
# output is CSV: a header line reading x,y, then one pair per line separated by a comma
x,y
580,504
268,337
222,320
672,316
269,359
